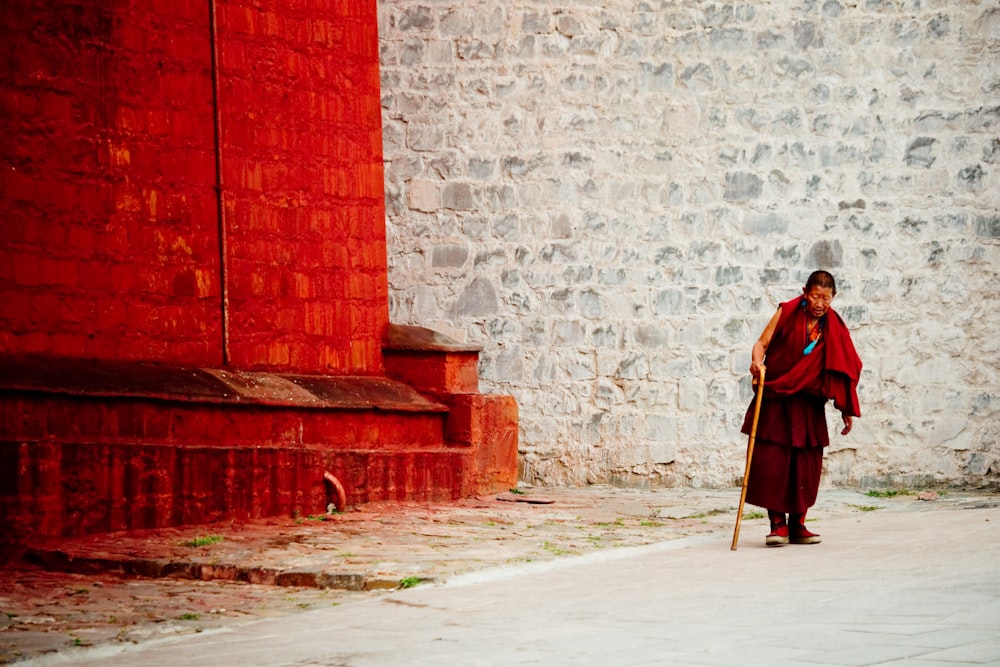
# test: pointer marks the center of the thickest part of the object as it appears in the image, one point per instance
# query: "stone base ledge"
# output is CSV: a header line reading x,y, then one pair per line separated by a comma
x,y
109,379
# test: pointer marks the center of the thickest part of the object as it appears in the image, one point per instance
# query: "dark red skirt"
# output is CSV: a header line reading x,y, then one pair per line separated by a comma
x,y
788,452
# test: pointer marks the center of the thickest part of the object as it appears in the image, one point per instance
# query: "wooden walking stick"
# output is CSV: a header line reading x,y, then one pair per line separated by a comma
x,y
746,473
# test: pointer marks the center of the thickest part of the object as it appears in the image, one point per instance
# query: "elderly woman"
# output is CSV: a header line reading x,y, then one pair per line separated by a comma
x,y
809,359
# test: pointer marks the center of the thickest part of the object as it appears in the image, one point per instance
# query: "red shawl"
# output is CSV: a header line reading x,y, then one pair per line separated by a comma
x,y
832,369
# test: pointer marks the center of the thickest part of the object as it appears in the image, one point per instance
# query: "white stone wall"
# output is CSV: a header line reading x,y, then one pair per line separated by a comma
x,y
612,198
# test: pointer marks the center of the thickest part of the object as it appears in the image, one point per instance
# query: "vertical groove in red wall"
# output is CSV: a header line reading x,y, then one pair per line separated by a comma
x,y
221,213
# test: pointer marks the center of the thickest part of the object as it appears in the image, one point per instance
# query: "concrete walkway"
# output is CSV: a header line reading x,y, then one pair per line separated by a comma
x,y
916,585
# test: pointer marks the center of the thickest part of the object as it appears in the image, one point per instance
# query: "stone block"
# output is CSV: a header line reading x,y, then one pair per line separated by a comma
x,y
766,224
536,22
458,196
825,254
987,226
742,186
652,335
479,298
449,256
423,196
424,137
919,152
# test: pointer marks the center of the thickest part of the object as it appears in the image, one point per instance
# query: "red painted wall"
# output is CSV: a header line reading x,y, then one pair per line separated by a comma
x,y
115,248
110,239
302,148
107,243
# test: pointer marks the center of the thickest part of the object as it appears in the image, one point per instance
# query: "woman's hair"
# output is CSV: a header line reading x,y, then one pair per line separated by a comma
x,y
821,279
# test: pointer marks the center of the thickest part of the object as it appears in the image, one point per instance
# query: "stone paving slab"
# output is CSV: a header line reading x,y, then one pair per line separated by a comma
x,y
226,575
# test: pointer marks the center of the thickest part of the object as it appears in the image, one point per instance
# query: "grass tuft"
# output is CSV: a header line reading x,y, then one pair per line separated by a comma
x,y
888,493
865,508
204,540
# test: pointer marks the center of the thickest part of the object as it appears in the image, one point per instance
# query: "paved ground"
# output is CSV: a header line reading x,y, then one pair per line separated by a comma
x,y
595,576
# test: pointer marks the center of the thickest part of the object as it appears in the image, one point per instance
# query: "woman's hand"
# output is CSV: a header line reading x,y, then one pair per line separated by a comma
x,y
848,424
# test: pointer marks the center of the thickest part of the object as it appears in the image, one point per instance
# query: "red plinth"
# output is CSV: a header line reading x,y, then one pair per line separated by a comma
x,y
193,270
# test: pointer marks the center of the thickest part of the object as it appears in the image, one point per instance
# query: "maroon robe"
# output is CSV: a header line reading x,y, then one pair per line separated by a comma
x,y
792,431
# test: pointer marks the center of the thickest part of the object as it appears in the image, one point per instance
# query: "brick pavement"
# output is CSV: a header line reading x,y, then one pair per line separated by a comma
x,y
230,579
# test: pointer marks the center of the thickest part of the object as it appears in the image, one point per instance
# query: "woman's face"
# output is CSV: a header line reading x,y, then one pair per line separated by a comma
x,y
818,300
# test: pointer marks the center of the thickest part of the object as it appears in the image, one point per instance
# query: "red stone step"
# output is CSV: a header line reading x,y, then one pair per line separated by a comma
x,y
91,447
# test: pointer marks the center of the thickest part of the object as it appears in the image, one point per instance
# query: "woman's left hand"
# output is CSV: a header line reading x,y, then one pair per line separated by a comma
x,y
848,424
